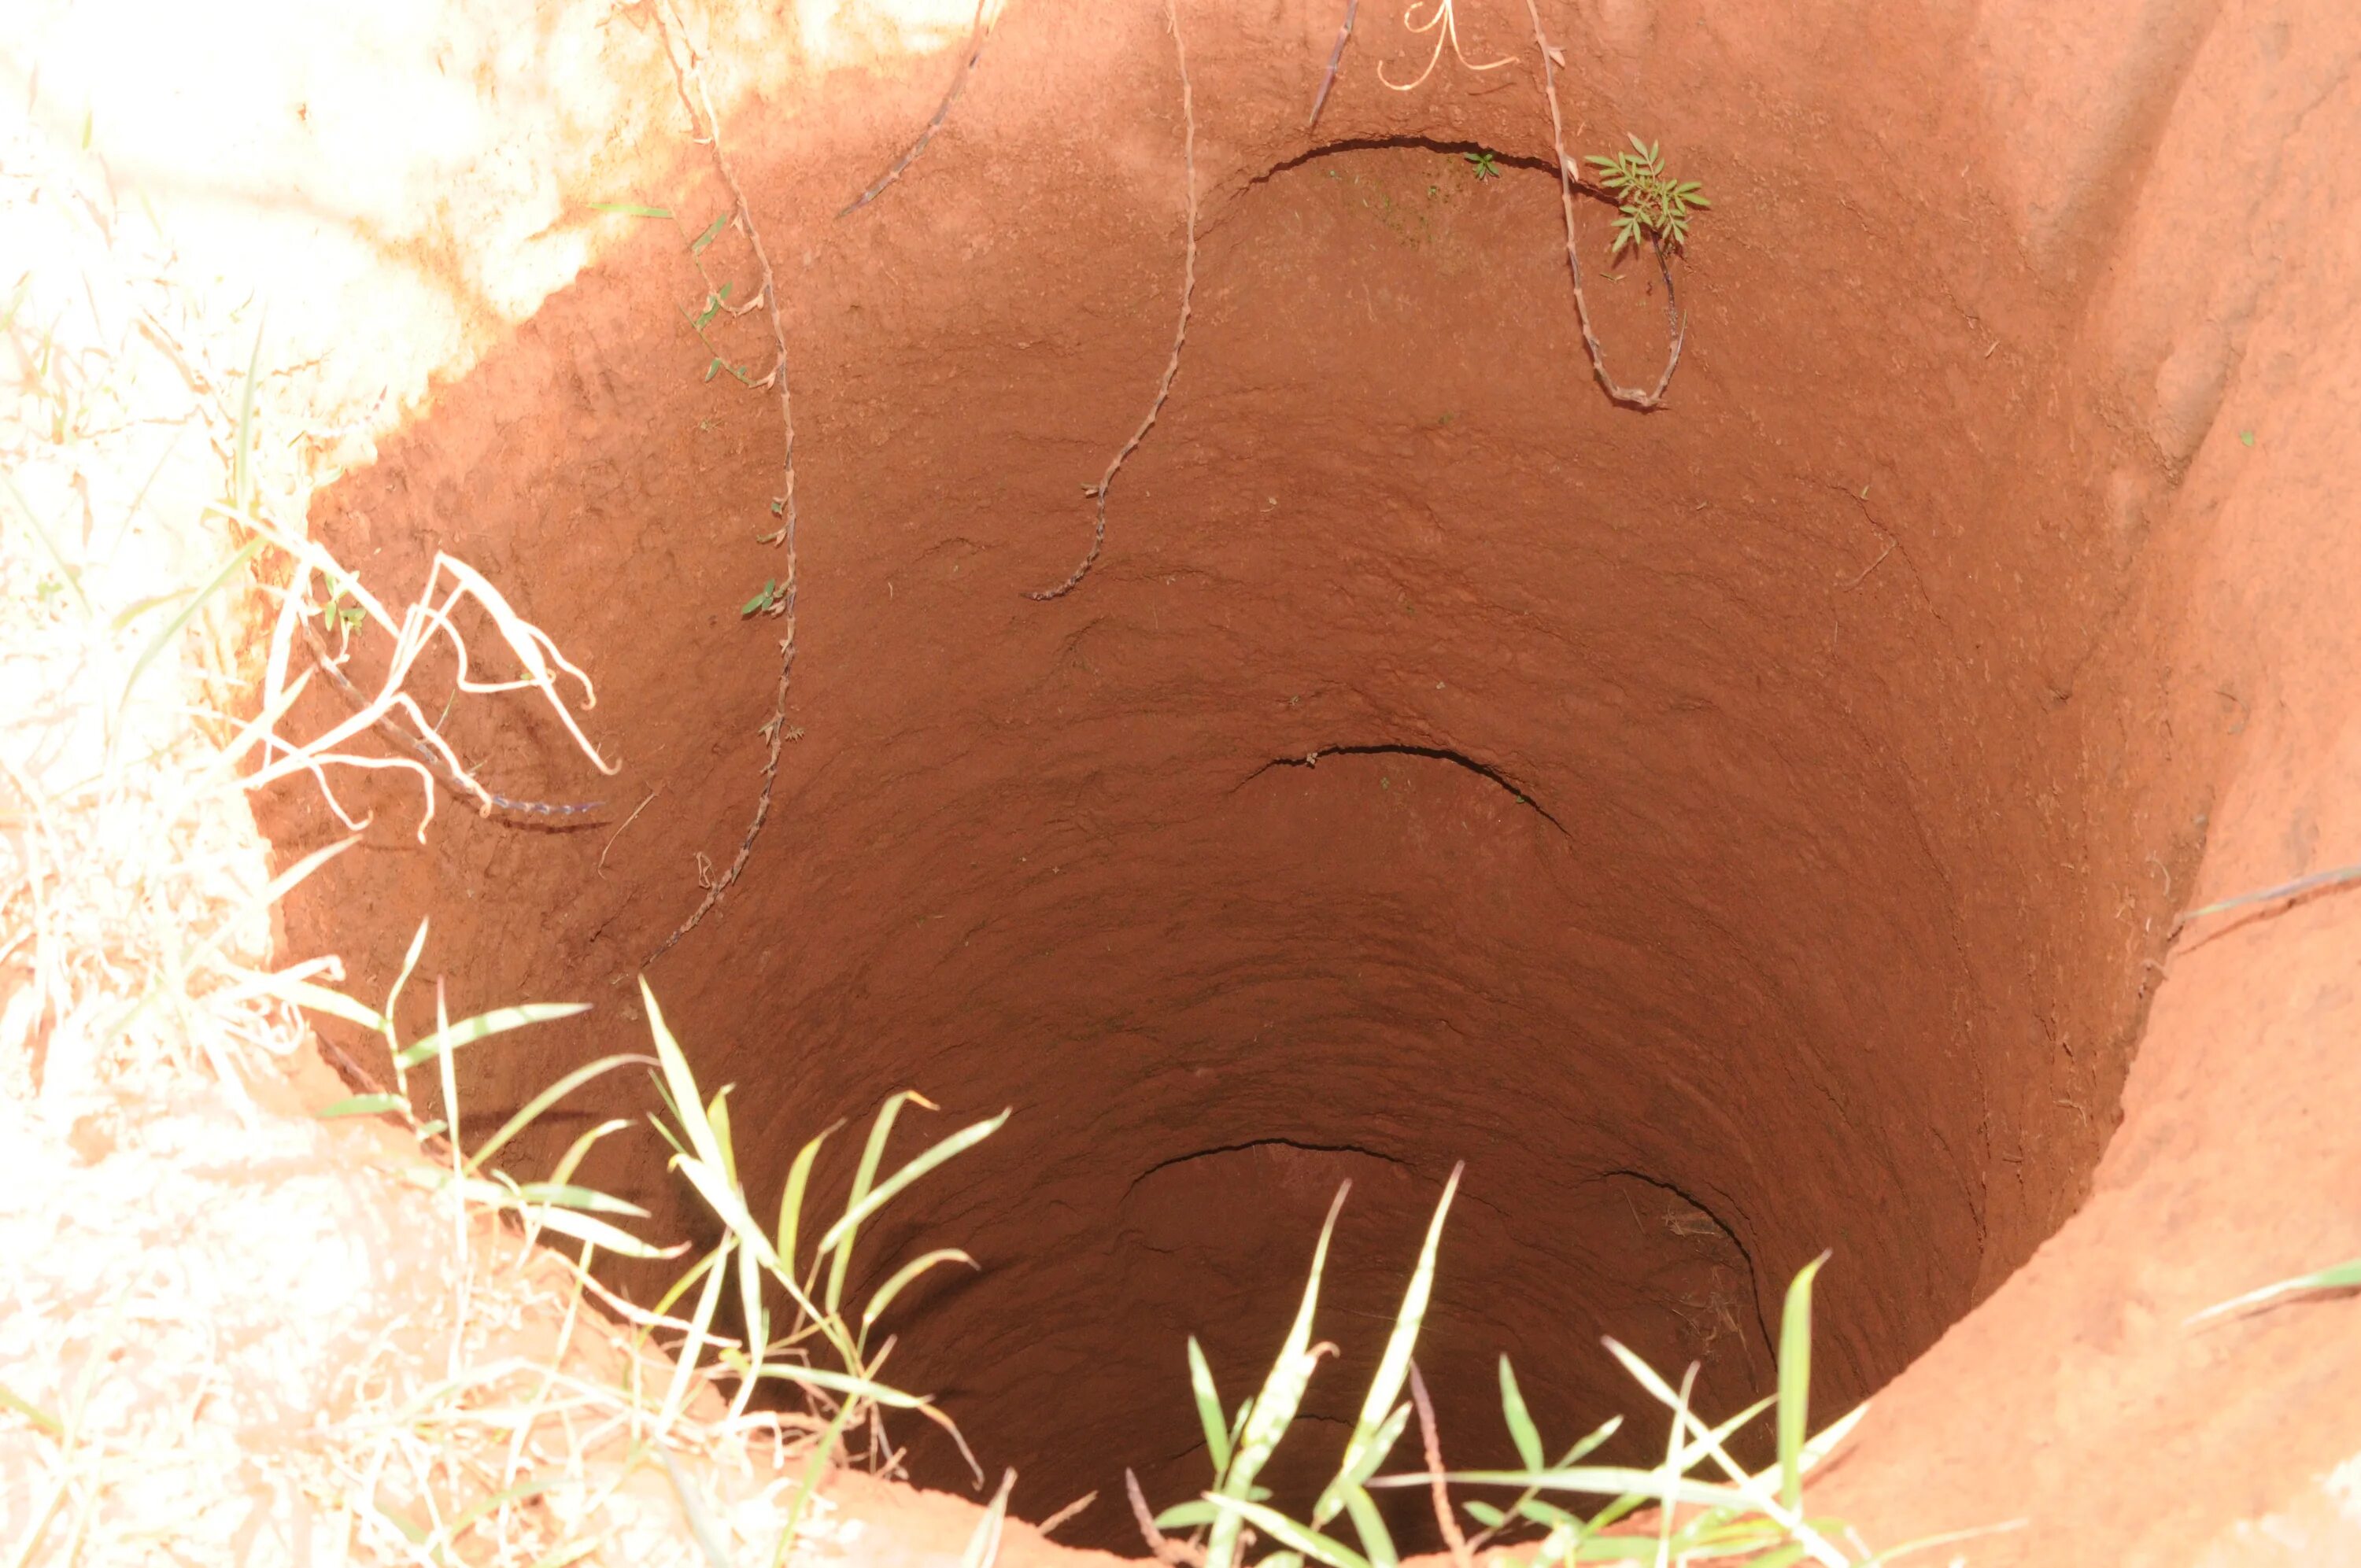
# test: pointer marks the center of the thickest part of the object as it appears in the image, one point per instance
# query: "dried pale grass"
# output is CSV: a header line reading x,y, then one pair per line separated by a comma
x,y
229,1331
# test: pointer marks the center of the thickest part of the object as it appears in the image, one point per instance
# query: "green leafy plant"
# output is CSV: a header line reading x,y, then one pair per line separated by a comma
x,y
339,616
1486,168
1654,206
763,599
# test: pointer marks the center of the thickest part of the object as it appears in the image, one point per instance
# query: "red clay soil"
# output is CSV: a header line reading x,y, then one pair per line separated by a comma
x,y
1737,831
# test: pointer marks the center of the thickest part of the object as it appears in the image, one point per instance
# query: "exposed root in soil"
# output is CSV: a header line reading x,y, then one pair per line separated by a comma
x,y
429,753
1336,58
1634,397
1180,333
704,126
985,18
1174,1553
1453,1536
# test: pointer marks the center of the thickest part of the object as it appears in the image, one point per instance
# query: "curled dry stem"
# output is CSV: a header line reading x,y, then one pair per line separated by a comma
x,y
1177,1553
429,617
1445,26
1180,332
1631,396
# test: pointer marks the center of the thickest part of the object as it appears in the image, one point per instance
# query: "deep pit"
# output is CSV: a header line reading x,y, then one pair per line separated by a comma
x,y
1688,819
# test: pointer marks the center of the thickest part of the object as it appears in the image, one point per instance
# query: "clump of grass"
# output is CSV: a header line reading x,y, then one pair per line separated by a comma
x,y
1707,1506
515,1415
818,1348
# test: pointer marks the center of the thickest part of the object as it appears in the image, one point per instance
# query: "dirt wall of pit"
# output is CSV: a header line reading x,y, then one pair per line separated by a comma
x,y
1788,795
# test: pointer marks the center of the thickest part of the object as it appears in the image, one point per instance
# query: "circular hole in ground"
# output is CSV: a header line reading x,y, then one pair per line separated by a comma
x,y
1676,817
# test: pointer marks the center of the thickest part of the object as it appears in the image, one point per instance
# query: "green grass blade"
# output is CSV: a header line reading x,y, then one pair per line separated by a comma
x,y
363,1105
31,1412
447,1040
728,1206
1592,1439
791,1198
1285,1530
984,1546
1796,1381
588,1199
1522,1430
2342,1277
163,640
1393,1367
843,1383
581,1146
630,209
242,462
532,1110
1274,1407
680,1085
716,1116
320,999
1209,1409
757,1319
1585,1480
1377,1541
533,1488
872,1154
71,574
1374,1454
691,1350
1834,1433
598,1233
841,1234
883,1296
1191,1515
401,978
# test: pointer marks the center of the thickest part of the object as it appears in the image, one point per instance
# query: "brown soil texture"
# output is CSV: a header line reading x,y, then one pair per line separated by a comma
x,y
1739,830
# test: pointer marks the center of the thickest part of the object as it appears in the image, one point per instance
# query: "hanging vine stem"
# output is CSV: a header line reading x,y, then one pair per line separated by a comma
x,y
1632,397
976,35
1180,333
704,126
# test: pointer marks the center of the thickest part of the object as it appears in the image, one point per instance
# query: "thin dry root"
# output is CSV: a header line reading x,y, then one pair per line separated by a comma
x,y
1632,397
976,35
421,623
1069,1512
1180,333
688,76
1452,1535
1177,1553
1336,58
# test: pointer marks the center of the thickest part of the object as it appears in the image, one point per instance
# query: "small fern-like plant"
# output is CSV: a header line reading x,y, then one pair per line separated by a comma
x,y
1655,207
